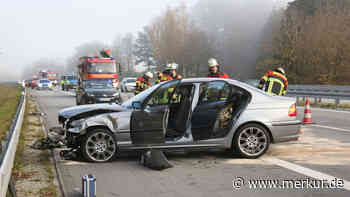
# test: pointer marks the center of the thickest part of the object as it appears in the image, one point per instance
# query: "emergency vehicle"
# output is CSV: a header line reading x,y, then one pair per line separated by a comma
x,y
96,67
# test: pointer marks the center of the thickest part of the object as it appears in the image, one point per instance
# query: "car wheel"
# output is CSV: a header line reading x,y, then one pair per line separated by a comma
x,y
99,145
82,101
251,141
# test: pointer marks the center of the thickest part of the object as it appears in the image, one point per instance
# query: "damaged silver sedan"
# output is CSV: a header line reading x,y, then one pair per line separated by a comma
x,y
187,113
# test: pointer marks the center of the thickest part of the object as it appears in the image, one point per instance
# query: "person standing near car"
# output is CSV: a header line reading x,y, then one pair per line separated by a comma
x,y
170,73
143,82
214,70
159,77
274,82
62,84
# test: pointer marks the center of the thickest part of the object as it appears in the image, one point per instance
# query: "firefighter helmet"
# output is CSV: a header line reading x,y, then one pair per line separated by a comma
x,y
212,62
149,75
281,70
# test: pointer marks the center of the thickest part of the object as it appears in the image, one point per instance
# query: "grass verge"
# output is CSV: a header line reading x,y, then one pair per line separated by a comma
x,y
9,100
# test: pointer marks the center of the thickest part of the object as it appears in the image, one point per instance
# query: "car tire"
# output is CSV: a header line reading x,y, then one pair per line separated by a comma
x,y
251,141
82,101
99,145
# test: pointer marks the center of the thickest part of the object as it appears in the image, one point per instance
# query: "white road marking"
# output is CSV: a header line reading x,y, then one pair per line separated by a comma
x,y
326,110
327,127
305,171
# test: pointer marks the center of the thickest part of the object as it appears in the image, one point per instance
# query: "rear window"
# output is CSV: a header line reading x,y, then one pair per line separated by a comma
x,y
44,81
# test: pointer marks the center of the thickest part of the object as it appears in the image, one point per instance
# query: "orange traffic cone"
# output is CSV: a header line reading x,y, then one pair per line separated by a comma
x,y
307,112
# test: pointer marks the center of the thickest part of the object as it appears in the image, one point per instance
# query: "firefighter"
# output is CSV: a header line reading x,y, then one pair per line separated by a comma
x,y
214,71
159,77
144,82
274,82
62,84
170,73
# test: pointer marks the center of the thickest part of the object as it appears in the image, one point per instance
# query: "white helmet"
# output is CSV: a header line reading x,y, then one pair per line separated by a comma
x,y
172,66
212,62
149,75
281,70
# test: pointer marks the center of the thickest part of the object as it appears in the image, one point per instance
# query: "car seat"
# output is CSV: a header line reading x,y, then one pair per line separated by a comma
x,y
182,114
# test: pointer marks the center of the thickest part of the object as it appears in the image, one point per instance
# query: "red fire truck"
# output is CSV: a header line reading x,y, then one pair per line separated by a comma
x,y
104,67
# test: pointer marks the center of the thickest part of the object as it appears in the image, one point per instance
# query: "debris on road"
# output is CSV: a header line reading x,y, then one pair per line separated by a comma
x,y
54,139
155,159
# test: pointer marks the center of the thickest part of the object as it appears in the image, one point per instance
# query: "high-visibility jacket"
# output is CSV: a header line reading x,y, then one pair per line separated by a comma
x,y
274,83
141,85
159,77
167,77
218,75
165,99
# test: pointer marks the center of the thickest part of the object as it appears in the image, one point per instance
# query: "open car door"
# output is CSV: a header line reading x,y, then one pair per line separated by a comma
x,y
149,119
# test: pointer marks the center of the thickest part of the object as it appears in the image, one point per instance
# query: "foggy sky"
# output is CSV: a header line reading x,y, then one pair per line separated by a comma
x,y
48,28
36,29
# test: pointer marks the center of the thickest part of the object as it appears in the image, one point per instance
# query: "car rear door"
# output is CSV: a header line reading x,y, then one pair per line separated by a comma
x,y
148,124
212,98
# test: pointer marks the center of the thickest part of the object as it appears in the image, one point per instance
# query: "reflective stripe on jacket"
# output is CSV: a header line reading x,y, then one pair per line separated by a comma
x,y
218,75
274,83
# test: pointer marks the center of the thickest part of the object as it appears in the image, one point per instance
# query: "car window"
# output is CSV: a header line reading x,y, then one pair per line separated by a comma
x,y
44,81
180,92
162,94
214,91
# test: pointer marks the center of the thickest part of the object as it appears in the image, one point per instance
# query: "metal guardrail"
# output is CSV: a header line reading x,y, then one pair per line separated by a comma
x,y
9,147
319,92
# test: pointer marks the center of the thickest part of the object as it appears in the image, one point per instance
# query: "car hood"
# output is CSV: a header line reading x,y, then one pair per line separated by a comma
x,y
76,110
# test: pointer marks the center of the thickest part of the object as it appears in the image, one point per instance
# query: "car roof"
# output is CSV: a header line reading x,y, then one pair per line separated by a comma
x,y
246,86
203,80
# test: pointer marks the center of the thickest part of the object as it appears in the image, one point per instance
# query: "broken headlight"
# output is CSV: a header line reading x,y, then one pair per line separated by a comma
x,y
77,126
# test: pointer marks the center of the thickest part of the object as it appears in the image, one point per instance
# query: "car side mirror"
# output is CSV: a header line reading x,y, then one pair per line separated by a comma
x,y
136,105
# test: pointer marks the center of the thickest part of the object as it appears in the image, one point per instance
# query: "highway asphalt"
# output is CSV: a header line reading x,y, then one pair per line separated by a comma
x,y
322,152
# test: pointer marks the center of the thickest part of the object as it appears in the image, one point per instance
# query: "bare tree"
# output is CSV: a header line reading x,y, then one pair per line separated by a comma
x,y
176,39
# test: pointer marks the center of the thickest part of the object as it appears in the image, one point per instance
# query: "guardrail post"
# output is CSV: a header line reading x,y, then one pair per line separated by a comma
x,y
3,148
7,137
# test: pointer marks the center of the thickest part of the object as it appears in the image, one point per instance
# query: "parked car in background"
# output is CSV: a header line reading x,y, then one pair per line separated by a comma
x,y
44,84
202,113
97,91
128,84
